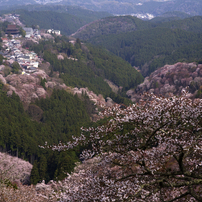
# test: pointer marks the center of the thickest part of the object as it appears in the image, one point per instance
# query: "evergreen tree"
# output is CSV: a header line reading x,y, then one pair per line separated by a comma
x,y
35,174
16,67
1,59
42,167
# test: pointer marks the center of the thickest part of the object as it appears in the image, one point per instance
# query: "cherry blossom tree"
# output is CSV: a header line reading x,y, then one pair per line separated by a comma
x,y
151,151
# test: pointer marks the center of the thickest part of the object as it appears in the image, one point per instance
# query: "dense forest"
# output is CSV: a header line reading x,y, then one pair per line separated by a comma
x,y
87,66
48,120
82,13
119,24
153,48
151,45
66,19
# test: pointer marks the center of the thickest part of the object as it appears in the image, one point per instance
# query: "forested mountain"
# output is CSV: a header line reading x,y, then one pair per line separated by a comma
x,y
111,25
64,22
170,16
118,24
151,45
91,67
171,79
85,14
128,7
67,20
191,24
61,114
119,7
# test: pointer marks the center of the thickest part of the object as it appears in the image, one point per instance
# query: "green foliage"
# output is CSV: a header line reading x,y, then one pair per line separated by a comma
x,y
42,167
199,93
8,183
115,69
3,26
148,45
170,16
35,112
119,99
91,67
34,178
72,17
65,165
192,24
62,115
7,71
1,59
85,14
78,43
43,81
112,25
15,67
22,32
53,165
66,22
153,48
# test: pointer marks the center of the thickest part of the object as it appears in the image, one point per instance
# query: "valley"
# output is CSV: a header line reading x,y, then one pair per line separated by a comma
x,y
99,105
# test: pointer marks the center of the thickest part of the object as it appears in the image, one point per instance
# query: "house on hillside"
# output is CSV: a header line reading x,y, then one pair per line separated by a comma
x,y
4,40
57,32
31,69
23,58
34,64
29,31
52,31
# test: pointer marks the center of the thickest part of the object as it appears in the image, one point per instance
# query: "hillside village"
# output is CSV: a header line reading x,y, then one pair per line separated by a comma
x,y
13,42
26,83
27,60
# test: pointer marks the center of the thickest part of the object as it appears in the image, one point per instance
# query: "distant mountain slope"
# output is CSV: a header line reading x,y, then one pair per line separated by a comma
x,y
192,24
82,13
67,19
64,22
170,16
171,79
110,25
86,14
150,45
93,66
153,48
119,24
192,7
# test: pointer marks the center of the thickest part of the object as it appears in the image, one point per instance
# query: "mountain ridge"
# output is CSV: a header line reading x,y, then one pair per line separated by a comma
x,y
150,45
123,7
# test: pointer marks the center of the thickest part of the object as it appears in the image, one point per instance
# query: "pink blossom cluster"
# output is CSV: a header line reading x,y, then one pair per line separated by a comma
x,y
14,169
151,151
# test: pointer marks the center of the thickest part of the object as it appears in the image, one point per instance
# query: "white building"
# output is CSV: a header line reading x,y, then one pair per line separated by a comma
x,y
52,31
29,32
